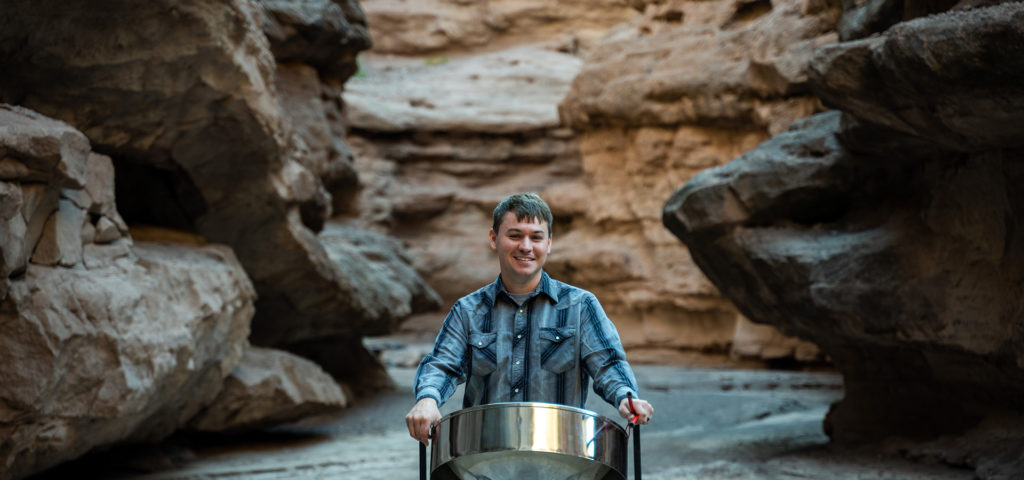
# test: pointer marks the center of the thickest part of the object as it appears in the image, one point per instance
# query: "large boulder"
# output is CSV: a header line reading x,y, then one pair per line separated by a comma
x,y
210,134
102,339
127,347
952,79
891,235
266,388
106,339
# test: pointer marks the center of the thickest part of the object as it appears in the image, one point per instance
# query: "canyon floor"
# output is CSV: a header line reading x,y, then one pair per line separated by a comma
x,y
710,423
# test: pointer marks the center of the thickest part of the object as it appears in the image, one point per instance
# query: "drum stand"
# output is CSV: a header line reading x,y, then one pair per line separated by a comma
x,y
636,453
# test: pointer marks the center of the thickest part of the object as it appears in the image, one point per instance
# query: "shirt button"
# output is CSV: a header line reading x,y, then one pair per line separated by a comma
x,y
520,310
517,362
519,336
480,343
516,390
558,338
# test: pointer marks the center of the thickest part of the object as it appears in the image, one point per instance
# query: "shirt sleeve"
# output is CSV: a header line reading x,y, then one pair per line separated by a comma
x,y
444,367
603,355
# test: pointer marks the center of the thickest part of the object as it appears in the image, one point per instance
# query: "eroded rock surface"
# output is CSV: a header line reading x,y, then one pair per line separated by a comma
x,y
325,34
890,235
210,133
439,145
108,340
430,27
56,194
684,87
104,339
101,339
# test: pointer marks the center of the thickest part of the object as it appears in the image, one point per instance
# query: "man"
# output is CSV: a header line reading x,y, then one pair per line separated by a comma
x,y
525,337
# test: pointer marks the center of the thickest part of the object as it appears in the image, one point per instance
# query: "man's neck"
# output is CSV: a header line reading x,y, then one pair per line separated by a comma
x,y
524,287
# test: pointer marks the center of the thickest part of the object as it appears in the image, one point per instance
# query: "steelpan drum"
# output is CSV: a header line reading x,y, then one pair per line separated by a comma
x,y
523,441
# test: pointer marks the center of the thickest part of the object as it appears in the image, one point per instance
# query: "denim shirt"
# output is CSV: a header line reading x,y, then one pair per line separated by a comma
x,y
546,350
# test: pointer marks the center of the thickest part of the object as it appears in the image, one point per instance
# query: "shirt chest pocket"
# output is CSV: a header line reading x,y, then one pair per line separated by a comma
x,y
558,349
484,358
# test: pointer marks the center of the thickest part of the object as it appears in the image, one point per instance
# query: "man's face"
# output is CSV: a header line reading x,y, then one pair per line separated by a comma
x,y
523,247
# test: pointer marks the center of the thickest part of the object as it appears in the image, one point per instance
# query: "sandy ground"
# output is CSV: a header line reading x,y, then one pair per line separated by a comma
x,y
709,424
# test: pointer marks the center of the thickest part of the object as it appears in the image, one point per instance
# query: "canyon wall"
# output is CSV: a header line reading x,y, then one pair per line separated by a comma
x,y
603,107
219,129
889,232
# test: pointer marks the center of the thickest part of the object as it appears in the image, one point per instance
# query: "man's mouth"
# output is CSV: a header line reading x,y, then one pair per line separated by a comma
x,y
524,259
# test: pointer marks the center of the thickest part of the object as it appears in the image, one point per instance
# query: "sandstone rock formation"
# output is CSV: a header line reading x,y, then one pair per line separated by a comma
x,y
432,27
210,134
890,234
440,145
269,387
685,87
101,339
460,114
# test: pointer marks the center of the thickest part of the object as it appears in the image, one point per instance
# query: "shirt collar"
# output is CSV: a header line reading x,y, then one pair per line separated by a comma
x,y
545,287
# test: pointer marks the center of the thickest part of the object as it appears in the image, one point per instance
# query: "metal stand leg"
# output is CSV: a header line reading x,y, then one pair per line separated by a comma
x,y
636,452
423,461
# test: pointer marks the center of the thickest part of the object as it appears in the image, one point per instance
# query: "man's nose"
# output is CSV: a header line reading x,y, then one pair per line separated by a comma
x,y
526,244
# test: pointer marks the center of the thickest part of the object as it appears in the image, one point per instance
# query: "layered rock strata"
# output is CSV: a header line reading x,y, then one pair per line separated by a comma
x,y
442,144
435,27
446,126
890,234
684,87
211,134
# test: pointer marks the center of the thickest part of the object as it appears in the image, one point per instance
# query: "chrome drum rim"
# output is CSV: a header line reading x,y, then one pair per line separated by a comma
x,y
517,440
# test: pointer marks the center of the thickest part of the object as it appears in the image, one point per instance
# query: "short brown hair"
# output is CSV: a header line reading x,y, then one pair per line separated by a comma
x,y
526,206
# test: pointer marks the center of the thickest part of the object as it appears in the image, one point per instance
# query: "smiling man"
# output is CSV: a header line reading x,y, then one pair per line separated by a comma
x,y
525,337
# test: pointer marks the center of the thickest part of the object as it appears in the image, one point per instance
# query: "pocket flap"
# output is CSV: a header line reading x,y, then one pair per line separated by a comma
x,y
557,335
482,340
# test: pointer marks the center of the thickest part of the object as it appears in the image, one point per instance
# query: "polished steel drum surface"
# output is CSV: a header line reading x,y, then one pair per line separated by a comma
x,y
521,441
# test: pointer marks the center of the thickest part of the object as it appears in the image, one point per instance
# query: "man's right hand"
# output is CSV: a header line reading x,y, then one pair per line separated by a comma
x,y
421,418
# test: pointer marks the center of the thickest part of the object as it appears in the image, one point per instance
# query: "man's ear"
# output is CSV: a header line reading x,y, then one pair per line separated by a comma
x,y
493,238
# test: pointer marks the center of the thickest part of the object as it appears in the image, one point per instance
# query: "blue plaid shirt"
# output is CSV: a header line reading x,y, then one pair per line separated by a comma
x,y
545,350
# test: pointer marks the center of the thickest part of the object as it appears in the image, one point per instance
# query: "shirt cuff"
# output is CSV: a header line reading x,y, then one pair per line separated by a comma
x,y
623,393
430,393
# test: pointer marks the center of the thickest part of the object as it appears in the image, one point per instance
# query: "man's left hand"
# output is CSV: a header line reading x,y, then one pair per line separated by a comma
x,y
641,407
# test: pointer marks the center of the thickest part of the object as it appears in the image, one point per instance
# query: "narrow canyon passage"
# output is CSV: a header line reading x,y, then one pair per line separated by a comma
x,y
218,218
